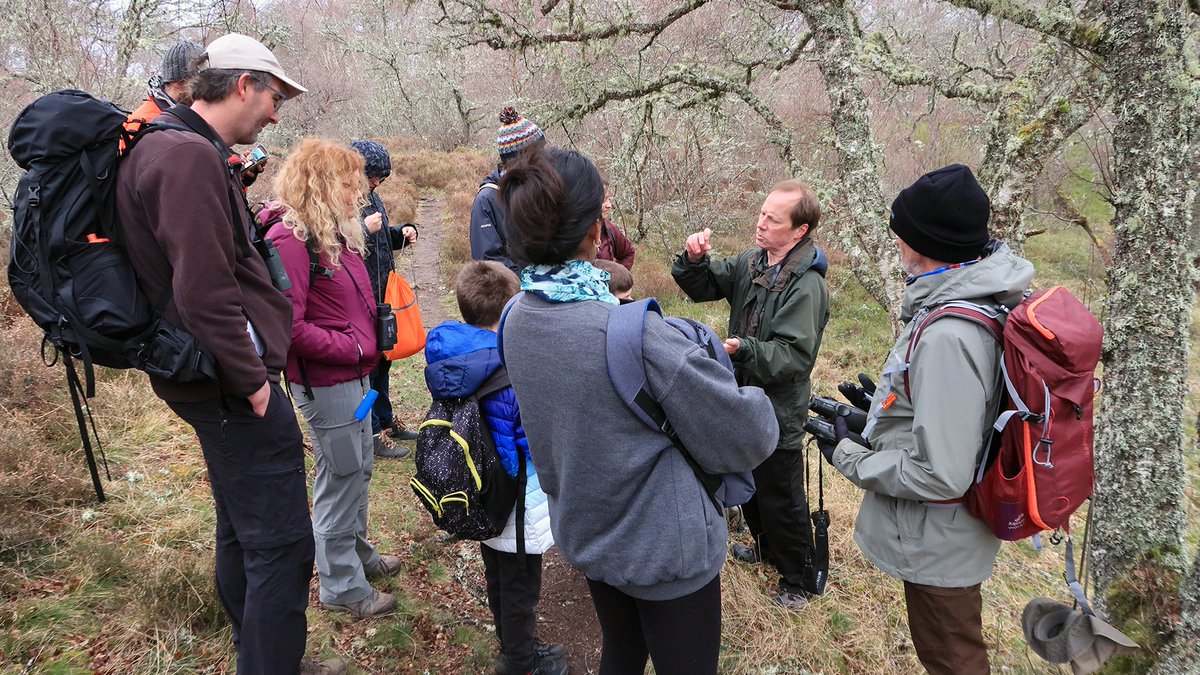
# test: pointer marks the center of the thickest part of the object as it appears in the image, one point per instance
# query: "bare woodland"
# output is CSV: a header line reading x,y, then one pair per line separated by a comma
x,y
694,105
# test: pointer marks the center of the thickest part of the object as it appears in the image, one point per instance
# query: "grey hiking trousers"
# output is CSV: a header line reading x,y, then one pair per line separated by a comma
x,y
344,452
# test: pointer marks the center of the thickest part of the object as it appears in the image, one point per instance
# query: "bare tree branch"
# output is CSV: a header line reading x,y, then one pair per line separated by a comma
x,y
507,34
1057,24
1064,204
878,55
709,86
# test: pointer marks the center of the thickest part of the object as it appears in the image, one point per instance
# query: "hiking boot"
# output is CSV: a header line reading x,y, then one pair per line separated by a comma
x,y
550,665
545,650
401,434
791,600
326,667
389,566
385,449
746,554
375,604
543,654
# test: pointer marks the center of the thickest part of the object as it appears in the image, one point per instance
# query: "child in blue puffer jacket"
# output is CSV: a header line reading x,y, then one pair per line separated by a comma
x,y
461,357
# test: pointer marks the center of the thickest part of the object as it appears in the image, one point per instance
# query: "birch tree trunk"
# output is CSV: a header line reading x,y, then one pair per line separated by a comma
x,y
1139,520
877,265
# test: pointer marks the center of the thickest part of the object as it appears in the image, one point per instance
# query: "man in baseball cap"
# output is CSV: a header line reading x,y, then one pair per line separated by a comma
x,y
242,52
188,230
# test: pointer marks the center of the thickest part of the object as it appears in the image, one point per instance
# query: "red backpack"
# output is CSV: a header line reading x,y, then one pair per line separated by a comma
x,y
1038,469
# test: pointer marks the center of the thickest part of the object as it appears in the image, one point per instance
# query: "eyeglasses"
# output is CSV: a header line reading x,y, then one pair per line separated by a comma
x,y
277,97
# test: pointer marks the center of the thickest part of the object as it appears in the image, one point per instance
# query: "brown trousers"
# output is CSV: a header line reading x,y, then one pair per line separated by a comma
x,y
947,628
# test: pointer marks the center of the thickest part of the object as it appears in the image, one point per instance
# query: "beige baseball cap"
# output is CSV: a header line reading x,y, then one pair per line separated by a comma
x,y
242,52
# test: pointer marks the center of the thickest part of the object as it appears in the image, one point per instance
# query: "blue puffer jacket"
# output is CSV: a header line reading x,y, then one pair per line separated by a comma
x,y
461,358
380,245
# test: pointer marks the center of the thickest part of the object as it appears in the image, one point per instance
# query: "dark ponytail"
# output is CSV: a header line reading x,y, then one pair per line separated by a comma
x,y
552,197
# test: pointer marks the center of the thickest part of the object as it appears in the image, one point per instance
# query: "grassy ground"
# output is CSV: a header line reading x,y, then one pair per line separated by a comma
x,y
125,586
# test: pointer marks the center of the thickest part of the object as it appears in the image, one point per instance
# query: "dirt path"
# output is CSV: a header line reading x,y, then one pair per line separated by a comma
x,y
565,614
421,266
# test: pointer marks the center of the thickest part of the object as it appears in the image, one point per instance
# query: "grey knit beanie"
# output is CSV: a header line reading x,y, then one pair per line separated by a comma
x,y
177,62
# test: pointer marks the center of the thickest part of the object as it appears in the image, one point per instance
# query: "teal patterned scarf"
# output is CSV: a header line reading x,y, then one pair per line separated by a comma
x,y
574,281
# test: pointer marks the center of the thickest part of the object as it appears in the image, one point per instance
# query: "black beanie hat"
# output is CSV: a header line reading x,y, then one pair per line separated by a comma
x,y
943,215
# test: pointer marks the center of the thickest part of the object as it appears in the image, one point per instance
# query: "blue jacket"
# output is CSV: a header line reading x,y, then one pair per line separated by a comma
x,y
380,245
489,238
461,358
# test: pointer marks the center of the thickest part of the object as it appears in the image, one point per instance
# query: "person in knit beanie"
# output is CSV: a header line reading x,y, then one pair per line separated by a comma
x,y
382,238
930,419
178,67
488,237
943,216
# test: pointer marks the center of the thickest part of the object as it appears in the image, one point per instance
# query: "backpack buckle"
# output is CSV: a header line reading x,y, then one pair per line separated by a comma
x,y
34,198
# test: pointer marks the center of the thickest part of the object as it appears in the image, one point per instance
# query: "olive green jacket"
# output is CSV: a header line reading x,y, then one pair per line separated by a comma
x,y
795,310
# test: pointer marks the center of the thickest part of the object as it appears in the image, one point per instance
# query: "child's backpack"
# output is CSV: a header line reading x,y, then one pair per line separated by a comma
x,y
627,370
1038,469
67,267
459,477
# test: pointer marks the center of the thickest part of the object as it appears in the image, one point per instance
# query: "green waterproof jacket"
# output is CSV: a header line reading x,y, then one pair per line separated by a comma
x,y
779,354
928,437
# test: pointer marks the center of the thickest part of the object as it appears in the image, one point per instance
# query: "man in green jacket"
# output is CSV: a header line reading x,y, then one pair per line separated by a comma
x,y
931,417
778,307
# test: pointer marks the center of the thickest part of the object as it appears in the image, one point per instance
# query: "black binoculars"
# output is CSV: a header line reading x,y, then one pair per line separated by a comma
x,y
385,327
826,410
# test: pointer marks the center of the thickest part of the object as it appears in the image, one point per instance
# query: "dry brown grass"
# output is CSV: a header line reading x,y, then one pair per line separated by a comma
x,y
399,195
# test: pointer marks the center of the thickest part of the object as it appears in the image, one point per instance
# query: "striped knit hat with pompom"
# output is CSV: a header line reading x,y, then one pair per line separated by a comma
x,y
515,133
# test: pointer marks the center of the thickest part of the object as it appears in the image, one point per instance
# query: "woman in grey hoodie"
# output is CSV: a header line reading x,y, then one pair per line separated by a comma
x,y
625,507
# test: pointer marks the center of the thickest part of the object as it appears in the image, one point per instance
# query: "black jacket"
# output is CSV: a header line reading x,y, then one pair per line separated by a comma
x,y
380,245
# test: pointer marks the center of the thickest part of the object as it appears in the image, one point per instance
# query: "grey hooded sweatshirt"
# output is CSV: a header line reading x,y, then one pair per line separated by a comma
x,y
625,508
926,449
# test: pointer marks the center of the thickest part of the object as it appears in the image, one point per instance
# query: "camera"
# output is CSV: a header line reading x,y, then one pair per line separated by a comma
x,y
819,428
856,420
385,326
826,410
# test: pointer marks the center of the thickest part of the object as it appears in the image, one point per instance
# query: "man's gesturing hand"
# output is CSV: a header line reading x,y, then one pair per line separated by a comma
x,y
697,244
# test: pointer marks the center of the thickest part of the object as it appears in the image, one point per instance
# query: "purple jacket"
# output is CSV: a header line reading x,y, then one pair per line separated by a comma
x,y
332,317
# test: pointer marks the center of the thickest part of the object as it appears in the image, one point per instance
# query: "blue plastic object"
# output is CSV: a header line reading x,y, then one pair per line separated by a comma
x,y
364,408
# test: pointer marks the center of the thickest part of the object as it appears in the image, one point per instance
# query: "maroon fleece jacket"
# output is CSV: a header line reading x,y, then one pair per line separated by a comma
x,y
191,245
333,317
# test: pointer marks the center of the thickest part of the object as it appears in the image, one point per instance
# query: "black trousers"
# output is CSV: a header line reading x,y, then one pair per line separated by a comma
x,y
681,636
779,520
264,543
514,584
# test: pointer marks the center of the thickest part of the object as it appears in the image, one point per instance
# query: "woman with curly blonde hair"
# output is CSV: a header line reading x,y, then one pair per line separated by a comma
x,y
334,349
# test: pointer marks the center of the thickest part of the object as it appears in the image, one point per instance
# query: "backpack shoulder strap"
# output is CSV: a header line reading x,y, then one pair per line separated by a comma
x,y
498,380
500,328
626,367
987,317
315,268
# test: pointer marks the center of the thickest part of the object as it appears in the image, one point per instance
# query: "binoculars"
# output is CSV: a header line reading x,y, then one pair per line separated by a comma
x,y
826,410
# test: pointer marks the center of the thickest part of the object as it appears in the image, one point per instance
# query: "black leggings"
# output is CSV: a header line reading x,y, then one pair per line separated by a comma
x,y
682,636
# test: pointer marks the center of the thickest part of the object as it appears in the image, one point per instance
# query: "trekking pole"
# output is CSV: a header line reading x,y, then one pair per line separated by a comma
x,y
74,387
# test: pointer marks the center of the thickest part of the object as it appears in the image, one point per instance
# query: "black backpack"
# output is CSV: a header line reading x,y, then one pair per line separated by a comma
x,y
459,477
67,267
